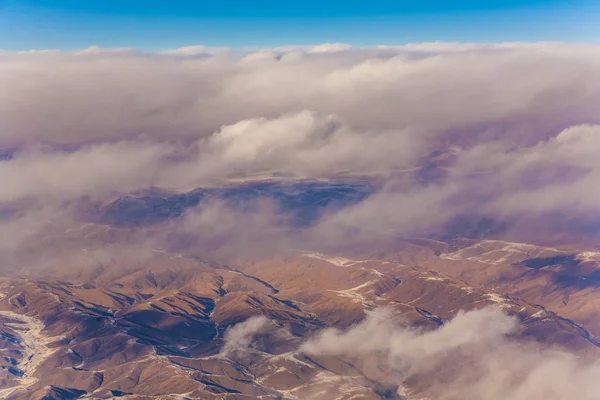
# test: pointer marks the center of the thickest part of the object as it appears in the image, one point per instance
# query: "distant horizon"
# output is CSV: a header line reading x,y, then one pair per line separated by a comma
x,y
195,49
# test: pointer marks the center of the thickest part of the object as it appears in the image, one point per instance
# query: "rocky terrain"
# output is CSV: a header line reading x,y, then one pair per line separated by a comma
x,y
155,327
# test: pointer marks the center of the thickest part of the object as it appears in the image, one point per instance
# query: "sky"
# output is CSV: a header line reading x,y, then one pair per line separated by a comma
x,y
160,25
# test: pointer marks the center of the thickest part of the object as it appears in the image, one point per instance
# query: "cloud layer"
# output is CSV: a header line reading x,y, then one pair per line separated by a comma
x,y
505,131
471,357
444,133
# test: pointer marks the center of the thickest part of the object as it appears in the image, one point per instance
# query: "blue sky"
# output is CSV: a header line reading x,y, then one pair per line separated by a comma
x,y
158,25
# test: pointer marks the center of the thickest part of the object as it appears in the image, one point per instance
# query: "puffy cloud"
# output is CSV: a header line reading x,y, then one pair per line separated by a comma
x,y
226,231
239,337
300,145
196,51
556,174
471,357
102,94
94,170
504,130
305,144
329,47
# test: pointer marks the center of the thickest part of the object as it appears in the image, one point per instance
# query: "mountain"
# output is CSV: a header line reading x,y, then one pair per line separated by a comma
x,y
305,200
139,327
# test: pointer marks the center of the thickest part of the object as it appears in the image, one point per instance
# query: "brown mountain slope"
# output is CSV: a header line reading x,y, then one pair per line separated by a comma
x,y
153,327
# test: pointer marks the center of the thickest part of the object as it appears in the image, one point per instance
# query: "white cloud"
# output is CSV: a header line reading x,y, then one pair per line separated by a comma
x,y
179,121
102,94
471,357
239,337
95,170
198,50
329,47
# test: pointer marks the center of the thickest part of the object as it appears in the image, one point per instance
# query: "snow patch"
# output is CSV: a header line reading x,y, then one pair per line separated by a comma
x,y
496,298
354,294
339,261
539,314
497,252
35,346
291,356
589,256
356,297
